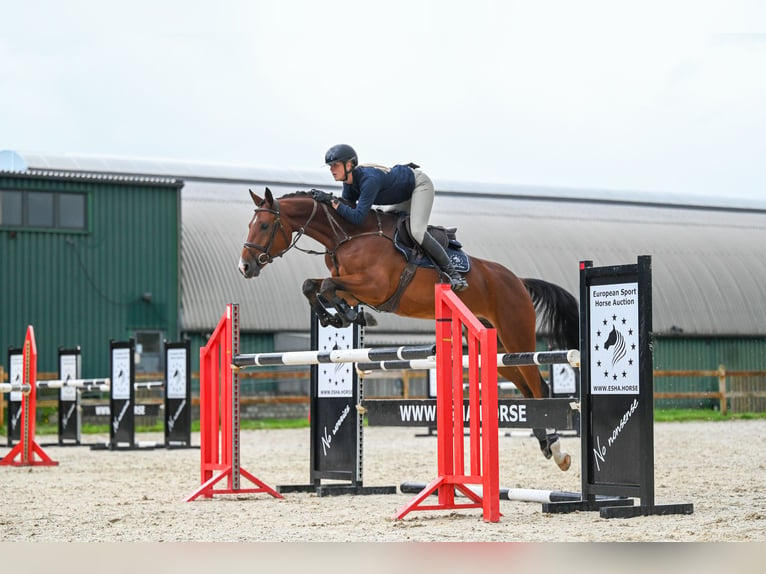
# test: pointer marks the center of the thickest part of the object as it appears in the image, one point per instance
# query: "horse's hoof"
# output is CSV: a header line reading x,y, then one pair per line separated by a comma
x,y
565,462
562,459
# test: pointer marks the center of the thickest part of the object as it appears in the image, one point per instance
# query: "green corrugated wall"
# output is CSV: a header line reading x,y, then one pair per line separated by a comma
x,y
83,289
698,353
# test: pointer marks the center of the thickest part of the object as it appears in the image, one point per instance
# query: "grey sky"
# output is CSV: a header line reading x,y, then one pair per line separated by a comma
x,y
632,95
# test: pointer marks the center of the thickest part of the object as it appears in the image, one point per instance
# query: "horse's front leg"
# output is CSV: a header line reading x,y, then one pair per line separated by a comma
x,y
311,292
328,290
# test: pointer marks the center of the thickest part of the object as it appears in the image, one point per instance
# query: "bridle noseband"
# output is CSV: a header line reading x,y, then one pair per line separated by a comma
x,y
265,256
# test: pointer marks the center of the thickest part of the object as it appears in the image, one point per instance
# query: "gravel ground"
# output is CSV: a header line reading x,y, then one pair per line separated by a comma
x,y
138,496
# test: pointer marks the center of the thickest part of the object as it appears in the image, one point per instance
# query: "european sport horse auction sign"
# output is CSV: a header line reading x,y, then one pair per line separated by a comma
x,y
617,391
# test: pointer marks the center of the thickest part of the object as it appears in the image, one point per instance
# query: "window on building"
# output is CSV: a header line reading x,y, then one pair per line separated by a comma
x,y
43,210
149,349
39,209
71,212
10,208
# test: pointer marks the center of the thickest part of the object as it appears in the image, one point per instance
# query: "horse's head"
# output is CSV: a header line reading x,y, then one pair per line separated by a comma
x,y
269,236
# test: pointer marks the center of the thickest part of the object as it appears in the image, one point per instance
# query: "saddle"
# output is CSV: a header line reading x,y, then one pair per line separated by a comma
x,y
415,257
413,253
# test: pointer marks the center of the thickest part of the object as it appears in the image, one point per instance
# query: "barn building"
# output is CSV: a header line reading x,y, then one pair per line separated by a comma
x,y
98,248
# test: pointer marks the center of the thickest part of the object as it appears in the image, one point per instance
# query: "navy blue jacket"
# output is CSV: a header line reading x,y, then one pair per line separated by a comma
x,y
376,186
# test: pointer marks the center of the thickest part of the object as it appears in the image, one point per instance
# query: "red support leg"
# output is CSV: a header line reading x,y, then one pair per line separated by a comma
x,y
27,452
219,415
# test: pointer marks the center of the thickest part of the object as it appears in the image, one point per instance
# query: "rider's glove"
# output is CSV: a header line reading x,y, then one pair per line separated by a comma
x,y
322,196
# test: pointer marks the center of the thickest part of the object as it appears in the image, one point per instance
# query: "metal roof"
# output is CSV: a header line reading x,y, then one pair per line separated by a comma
x,y
94,177
708,254
709,266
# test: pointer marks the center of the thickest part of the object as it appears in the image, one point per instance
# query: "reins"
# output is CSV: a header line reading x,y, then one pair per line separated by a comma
x,y
341,236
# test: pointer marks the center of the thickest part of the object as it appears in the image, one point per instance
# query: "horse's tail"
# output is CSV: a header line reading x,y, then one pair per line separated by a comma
x,y
557,311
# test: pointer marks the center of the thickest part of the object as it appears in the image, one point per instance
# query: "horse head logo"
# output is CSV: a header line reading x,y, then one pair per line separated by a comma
x,y
617,341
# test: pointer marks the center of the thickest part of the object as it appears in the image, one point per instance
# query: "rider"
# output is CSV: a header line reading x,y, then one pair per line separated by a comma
x,y
402,186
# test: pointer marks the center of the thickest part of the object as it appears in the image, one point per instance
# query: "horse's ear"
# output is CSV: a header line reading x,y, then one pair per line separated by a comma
x,y
269,197
256,200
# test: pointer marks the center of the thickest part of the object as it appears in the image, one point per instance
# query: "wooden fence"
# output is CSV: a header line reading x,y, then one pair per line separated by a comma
x,y
738,391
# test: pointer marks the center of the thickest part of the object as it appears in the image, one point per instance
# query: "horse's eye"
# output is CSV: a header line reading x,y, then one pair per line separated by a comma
x,y
264,226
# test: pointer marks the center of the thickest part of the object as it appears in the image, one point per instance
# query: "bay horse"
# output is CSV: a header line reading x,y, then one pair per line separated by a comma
x,y
366,268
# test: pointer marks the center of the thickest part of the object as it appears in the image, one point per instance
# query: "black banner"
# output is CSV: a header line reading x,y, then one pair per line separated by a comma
x,y
560,414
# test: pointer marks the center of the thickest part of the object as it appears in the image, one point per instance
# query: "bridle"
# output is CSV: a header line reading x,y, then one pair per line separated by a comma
x,y
265,256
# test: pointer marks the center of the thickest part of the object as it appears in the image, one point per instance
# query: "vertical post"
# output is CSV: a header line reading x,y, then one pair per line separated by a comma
x,y
490,471
70,419
451,317
724,407
2,397
177,394
15,367
232,348
445,432
122,394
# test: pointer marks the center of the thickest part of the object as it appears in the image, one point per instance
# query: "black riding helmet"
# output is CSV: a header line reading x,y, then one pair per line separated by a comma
x,y
341,152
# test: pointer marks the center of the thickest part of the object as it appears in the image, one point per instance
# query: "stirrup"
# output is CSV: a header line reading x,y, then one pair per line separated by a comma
x,y
457,281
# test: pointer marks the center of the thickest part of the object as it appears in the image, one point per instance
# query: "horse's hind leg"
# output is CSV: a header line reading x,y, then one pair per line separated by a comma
x,y
531,384
550,445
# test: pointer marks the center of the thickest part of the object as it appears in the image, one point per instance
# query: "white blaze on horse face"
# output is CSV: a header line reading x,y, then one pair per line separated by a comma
x,y
249,270
242,268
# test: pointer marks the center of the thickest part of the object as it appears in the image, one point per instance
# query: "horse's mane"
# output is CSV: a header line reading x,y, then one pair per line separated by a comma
x,y
296,194
387,217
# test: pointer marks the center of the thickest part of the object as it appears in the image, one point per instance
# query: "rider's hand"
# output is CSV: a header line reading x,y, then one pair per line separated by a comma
x,y
322,196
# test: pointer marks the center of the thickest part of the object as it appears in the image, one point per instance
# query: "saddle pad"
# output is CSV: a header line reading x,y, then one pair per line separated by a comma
x,y
460,259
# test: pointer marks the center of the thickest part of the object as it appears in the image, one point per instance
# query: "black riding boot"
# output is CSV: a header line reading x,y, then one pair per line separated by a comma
x,y
434,250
